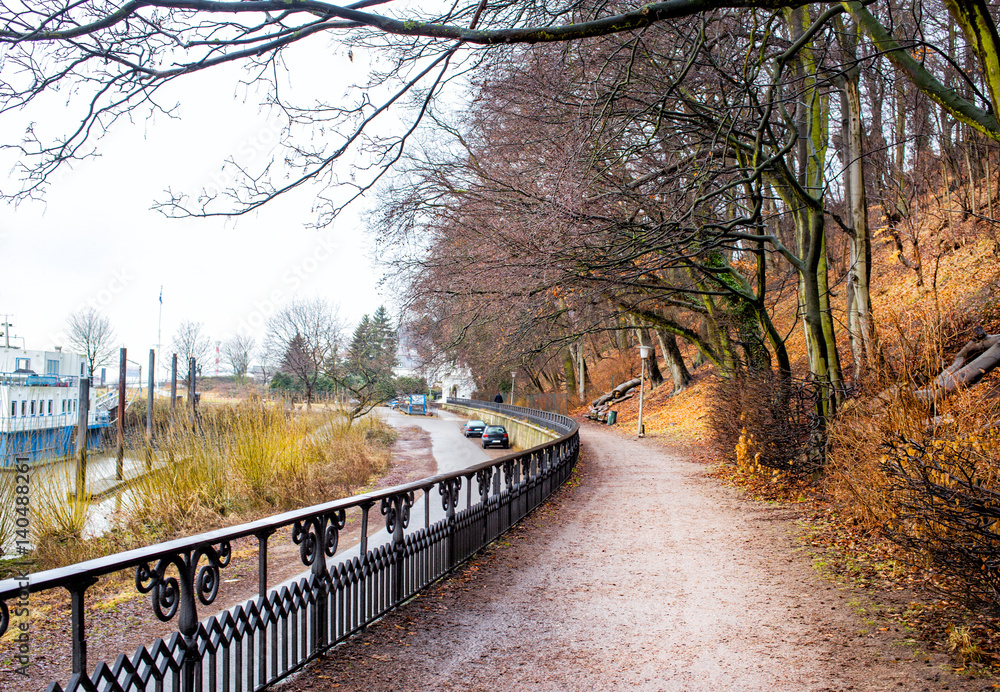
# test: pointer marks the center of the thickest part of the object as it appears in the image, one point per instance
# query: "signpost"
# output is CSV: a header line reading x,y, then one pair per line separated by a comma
x,y
418,402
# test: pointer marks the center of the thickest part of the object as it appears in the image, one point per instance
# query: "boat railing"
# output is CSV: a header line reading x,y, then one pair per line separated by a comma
x,y
20,379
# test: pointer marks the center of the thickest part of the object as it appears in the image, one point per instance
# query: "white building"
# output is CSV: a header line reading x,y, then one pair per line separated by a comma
x,y
39,403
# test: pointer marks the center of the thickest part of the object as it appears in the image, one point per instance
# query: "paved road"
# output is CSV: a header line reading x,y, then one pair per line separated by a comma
x,y
648,576
451,451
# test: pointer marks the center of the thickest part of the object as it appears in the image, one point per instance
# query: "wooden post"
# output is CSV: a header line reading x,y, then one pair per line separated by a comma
x,y
192,365
83,411
120,457
173,407
149,408
173,390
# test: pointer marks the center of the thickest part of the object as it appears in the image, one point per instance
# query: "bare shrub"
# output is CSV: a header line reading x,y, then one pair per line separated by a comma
x,y
765,421
886,409
925,477
945,501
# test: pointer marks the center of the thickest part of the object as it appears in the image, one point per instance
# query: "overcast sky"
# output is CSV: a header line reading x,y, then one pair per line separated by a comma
x,y
95,240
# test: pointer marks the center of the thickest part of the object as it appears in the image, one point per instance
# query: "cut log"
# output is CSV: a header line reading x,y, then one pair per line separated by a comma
x,y
976,359
599,411
616,393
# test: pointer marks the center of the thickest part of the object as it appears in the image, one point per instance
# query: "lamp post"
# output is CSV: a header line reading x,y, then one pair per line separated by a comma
x,y
512,374
644,352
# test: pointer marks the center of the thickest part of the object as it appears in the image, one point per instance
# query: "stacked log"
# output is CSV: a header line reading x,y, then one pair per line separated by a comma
x,y
600,406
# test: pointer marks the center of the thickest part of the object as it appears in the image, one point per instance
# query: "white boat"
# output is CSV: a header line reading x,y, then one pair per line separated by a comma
x,y
39,404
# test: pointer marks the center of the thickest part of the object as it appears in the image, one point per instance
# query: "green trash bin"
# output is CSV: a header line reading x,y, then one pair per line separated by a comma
x,y
612,417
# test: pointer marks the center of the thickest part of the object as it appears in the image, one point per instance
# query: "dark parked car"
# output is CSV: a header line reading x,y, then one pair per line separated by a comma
x,y
474,428
495,435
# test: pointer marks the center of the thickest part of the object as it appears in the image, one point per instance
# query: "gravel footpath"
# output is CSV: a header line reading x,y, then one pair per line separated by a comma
x,y
641,574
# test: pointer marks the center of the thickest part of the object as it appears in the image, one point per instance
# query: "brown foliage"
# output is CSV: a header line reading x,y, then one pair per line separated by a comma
x,y
945,509
767,421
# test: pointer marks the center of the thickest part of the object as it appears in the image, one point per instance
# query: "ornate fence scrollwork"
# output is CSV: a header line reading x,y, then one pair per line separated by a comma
x,y
483,477
172,595
396,509
316,536
449,488
508,474
262,640
169,594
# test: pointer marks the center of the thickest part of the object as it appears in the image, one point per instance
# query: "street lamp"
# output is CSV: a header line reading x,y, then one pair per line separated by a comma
x,y
512,374
644,352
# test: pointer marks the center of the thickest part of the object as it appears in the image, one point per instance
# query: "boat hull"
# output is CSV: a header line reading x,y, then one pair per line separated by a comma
x,y
47,444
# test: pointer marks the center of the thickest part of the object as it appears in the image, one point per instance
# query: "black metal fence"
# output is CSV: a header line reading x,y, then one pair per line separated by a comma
x,y
264,639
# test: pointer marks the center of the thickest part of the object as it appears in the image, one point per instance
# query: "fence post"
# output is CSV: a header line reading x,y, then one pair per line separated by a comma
x,y
449,499
396,510
149,409
78,624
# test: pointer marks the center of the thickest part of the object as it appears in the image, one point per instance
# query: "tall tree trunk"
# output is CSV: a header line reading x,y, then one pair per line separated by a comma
x,y
861,328
674,360
569,369
580,369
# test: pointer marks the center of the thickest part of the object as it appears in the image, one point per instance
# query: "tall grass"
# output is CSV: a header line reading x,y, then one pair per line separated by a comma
x,y
243,461
251,459
58,520
8,514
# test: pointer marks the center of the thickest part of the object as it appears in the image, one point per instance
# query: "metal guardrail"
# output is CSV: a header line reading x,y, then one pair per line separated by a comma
x,y
553,421
264,639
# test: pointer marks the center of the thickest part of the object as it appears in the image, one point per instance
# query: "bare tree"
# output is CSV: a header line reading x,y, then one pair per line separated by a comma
x,y
91,334
269,357
191,342
306,334
114,59
237,351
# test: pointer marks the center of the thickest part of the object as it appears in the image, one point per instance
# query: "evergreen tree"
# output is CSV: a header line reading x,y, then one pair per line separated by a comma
x,y
367,371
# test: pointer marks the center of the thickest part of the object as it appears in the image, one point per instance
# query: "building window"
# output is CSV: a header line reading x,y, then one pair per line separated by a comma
x,y
13,409
50,407
22,364
64,406
24,406
52,367
32,407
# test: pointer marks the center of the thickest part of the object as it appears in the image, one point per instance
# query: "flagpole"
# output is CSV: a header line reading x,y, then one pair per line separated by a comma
x,y
159,331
